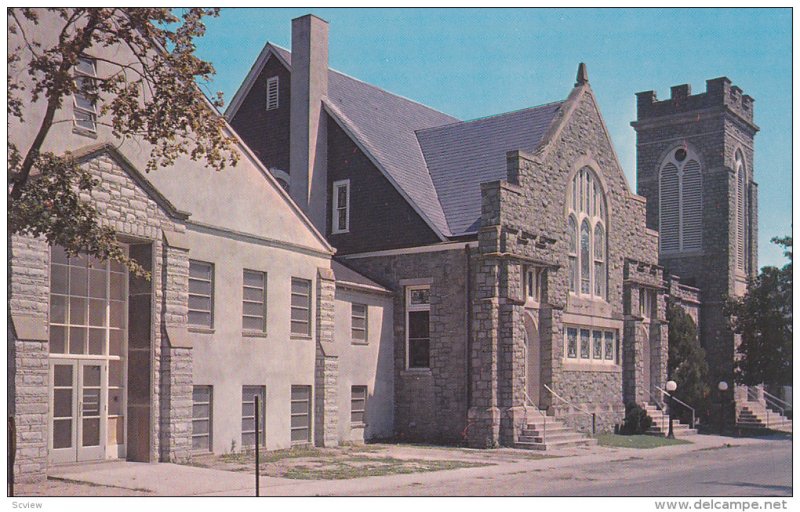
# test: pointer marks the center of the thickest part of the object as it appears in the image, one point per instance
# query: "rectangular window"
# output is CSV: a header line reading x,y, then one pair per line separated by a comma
x,y
597,345
254,301
418,338
272,93
358,323
341,207
358,404
591,346
201,294
584,344
84,106
610,351
202,400
646,303
533,284
572,343
301,414
249,415
301,307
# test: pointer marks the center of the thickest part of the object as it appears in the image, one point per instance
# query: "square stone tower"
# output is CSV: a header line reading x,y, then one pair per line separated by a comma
x,y
695,167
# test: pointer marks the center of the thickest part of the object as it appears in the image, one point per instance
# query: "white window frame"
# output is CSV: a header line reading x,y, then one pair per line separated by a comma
x,y
273,93
248,392
209,419
335,208
307,308
741,211
262,302
307,413
210,296
593,358
410,308
355,400
353,329
92,114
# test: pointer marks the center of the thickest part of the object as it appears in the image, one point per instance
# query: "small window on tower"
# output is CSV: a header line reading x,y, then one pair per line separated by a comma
x,y
272,93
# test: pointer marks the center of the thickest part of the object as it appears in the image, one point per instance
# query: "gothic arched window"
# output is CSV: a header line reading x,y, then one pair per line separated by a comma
x,y
741,227
587,247
680,207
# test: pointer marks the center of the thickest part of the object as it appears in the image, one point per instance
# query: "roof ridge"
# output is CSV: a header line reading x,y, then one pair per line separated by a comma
x,y
490,116
372,86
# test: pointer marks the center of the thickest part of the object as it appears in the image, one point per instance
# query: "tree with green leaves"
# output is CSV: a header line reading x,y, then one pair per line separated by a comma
x,y
687,364
150,95
763,318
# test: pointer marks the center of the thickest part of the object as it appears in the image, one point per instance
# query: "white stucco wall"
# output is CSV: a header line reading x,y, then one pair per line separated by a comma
x,y
370,365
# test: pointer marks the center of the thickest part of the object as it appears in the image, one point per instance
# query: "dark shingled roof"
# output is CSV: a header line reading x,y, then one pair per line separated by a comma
x,y
461,156
385,125
435,160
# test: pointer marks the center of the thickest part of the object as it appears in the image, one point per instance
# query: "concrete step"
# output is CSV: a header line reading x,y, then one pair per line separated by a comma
x,y
585,441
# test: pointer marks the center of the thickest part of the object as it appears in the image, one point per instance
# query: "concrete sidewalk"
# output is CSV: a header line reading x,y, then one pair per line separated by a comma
x,y
179,480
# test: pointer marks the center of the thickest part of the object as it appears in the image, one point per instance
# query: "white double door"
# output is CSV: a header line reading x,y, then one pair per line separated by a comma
x,y
78,410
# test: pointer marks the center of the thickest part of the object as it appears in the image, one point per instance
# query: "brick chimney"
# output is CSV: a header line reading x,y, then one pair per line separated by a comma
x,y
308,131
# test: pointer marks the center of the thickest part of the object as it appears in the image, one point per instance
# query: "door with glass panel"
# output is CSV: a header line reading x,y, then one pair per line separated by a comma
x,y
78,404
88,334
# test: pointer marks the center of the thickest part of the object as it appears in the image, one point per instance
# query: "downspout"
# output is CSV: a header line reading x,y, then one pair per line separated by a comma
x,y
468,327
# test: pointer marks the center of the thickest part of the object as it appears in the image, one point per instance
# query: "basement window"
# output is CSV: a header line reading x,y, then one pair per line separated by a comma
x,y
272,93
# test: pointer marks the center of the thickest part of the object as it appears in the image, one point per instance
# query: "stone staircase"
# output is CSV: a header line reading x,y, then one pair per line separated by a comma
x,y
660,426
754,415
554,435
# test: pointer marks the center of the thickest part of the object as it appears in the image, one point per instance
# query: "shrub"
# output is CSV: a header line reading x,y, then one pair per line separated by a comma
x,y
636,420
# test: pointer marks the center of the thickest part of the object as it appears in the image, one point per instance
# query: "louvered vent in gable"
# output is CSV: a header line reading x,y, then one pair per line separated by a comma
x,y
272,93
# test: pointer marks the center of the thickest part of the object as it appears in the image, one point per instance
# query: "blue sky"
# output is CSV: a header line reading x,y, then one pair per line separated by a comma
x,y
476,62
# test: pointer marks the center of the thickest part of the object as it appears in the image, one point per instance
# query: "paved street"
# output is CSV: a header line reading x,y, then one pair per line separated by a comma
x,y
763,469
709,466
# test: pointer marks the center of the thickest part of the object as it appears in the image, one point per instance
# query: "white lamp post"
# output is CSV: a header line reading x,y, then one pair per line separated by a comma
x,y
671,387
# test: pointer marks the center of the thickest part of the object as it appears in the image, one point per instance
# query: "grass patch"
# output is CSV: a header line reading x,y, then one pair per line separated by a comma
x,y
358,467
637,441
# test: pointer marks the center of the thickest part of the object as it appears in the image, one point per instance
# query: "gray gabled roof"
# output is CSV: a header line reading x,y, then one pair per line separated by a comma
x,y
434,160
463,155
385,123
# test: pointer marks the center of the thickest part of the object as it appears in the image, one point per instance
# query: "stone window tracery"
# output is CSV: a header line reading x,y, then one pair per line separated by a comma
x,y
587,250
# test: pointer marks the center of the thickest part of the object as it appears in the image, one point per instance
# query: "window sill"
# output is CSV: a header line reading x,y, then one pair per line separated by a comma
x,y
254,334
360,343
417,371
201,330
83,131
300,337
573,366
358,425
340,232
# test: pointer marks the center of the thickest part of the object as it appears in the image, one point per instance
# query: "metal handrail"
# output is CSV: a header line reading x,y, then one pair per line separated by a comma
x,y
542,413
776,399
682,403
585,411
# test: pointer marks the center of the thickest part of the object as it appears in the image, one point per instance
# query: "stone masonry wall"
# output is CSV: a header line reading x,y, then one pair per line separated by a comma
x,y
128,208
715,123
523,222
429,405
28,364
326,372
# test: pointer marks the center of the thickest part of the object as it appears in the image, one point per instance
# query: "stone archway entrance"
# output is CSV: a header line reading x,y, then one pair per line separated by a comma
x,y
533,365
